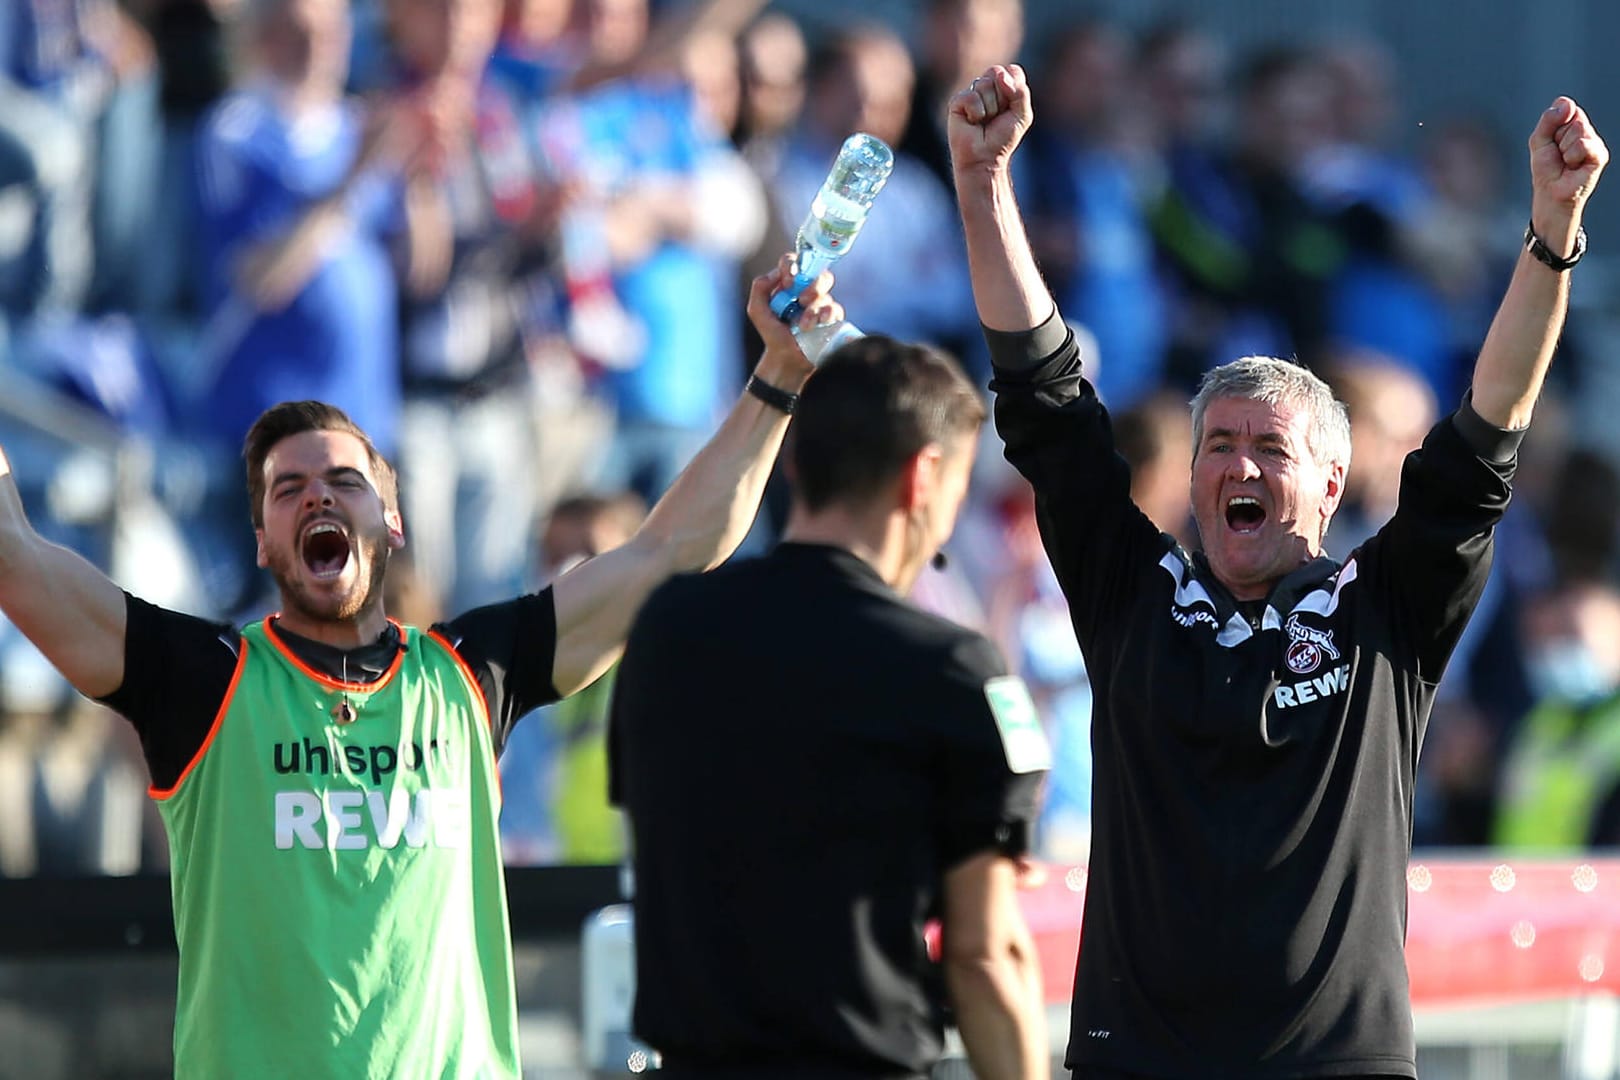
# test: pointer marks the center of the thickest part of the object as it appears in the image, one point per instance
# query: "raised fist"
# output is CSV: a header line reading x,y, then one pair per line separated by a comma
x,y
988,118
1566,156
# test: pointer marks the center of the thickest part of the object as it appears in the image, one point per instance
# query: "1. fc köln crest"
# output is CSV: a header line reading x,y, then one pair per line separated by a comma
x,y
1307,646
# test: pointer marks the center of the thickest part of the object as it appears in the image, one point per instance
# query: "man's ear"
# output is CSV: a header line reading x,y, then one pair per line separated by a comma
x,y
919,476
396,529
261,558
1333,492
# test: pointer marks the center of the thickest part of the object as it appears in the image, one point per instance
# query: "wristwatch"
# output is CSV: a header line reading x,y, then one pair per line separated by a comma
x,y
1542,254
774,396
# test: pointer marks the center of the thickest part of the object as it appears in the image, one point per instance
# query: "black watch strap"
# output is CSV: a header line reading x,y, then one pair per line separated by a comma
x,y
1544,255
774,396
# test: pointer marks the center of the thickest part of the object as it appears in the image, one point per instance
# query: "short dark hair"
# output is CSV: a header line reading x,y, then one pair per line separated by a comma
x,y
872,405
294,418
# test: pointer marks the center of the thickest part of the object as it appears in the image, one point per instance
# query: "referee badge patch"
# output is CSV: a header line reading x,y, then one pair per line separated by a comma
x,y
1022,738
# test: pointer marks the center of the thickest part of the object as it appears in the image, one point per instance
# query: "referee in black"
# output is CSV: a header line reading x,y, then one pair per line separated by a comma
x,y
814,768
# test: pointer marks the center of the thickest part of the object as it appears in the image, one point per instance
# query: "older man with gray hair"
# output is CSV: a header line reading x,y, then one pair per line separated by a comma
x,y
1259,705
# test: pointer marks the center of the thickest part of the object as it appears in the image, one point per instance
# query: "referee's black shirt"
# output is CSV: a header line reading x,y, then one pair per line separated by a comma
x,y
803,755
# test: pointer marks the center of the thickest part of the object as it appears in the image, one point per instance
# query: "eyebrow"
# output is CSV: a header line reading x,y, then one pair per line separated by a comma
x,y
1231,433
331,474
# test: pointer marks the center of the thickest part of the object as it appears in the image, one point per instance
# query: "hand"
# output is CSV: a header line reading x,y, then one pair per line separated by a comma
x,y
390,135
986,121
1031,875
441,115
1566,158
782,350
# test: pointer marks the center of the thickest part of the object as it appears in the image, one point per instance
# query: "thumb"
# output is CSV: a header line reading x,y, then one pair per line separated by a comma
x,y
1555,116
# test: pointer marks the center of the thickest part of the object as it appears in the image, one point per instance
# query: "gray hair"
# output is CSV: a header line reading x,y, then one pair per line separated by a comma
x,y
1274,381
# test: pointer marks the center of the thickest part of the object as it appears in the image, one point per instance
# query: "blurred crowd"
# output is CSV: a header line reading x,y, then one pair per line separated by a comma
x,y
512,238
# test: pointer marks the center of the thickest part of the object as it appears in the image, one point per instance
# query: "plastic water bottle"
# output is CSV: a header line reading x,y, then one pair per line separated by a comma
x,y
829,231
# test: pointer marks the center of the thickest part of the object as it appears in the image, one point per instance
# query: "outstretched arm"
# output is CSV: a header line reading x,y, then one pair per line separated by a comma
x,y
1566,158
70,610
706,512
985,124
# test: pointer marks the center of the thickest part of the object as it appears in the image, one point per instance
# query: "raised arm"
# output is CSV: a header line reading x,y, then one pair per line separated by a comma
x,y
985,124
1566,158
63,604
991,971
1050,419
706,512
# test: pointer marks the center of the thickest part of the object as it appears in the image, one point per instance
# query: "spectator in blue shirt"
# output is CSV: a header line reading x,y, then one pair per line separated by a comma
x,y
52,86
680,212
297,195
294,210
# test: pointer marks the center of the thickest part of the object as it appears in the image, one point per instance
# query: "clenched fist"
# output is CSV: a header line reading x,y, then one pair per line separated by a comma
x,y
988,118
1567,156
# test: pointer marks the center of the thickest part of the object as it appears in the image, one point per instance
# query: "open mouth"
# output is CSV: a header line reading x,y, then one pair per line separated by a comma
x,y
1244,514
325,549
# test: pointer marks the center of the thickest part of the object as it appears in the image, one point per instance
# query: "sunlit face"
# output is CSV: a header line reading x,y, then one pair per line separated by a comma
x,y
326,533
989,32
969,36
882,77
711,67
774,59
1261,499
870,92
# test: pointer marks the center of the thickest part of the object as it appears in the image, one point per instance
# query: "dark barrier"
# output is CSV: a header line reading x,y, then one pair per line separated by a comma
x,y
74,916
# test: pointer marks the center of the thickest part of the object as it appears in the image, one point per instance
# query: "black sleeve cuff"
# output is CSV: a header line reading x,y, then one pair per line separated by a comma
x,y
1490,442
1009,838
1020,352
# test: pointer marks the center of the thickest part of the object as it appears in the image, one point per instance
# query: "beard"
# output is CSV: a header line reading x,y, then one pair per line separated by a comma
x,y
371,556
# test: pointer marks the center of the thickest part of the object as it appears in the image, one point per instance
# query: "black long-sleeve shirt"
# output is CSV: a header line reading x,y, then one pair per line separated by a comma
x,y
1252,803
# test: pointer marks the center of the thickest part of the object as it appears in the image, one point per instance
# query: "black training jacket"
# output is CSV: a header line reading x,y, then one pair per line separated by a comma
x,y
1252,804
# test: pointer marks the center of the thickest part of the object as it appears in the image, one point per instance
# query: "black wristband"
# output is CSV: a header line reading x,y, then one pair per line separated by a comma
x,y
774,396
1542,254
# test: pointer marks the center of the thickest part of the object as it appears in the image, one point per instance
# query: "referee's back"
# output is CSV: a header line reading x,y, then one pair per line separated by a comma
x,y
803,754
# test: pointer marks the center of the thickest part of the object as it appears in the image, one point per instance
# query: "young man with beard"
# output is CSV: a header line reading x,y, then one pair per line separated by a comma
x,y
327,776
1259,706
